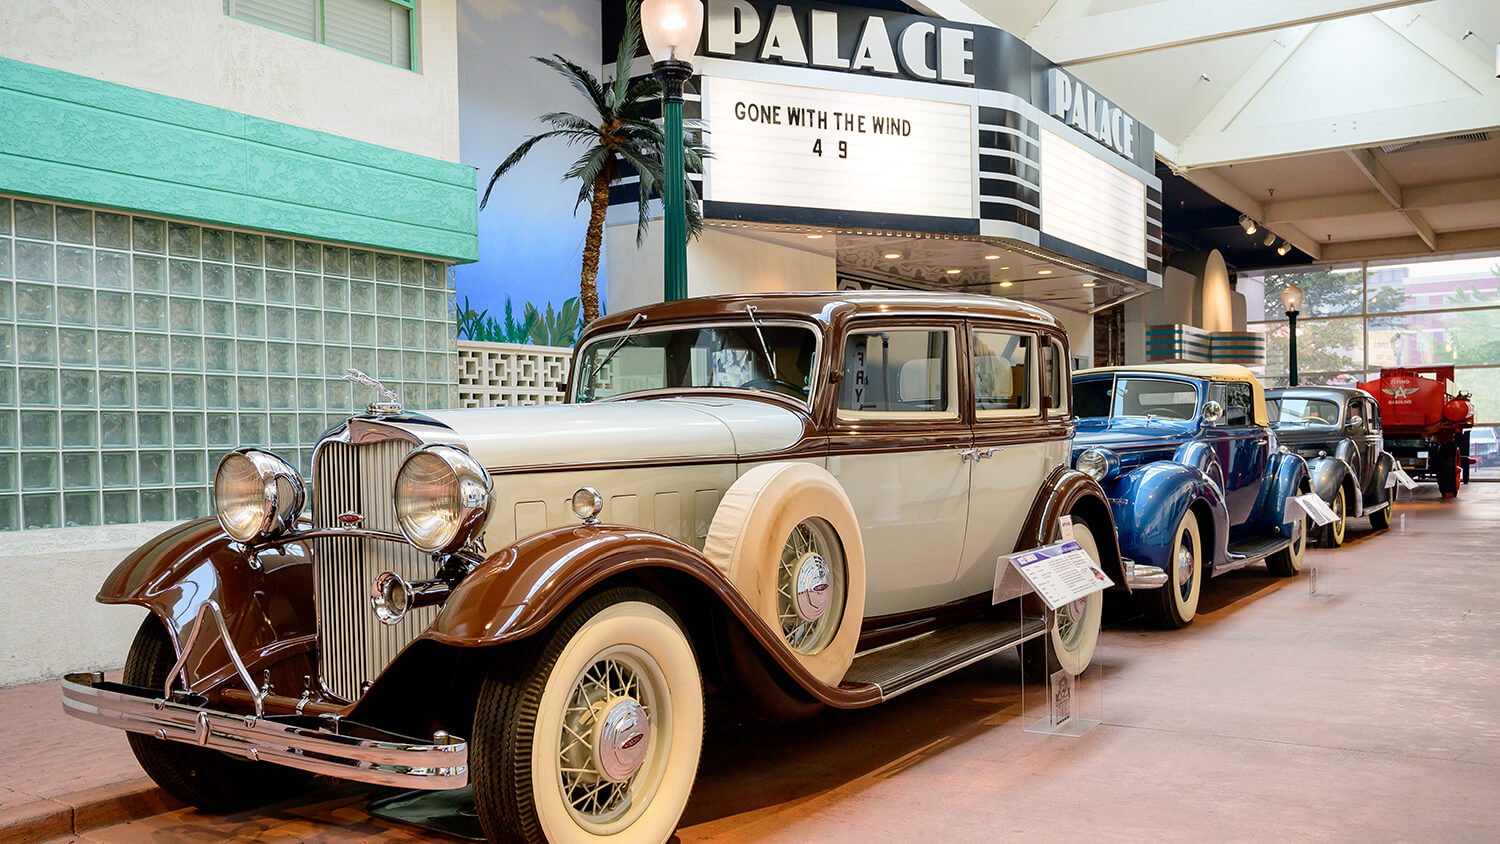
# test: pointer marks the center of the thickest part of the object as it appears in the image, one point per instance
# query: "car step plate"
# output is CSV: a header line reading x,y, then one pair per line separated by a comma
x,y
908,664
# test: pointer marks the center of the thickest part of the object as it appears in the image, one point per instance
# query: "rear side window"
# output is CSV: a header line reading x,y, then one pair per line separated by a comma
x,y
1055,371
1003,371
898,372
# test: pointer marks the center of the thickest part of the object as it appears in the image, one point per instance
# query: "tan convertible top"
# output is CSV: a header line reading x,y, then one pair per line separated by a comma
x,y
1212,371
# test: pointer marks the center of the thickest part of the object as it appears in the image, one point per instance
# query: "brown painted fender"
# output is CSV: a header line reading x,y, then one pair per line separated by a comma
x,y
269,610
517,592
1071,491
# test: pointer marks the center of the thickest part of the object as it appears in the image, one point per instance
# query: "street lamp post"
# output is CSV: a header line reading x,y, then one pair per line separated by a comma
x,y
671,29
1291,302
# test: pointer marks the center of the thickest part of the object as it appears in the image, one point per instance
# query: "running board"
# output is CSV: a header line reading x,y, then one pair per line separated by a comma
x,y
905,665
1248,551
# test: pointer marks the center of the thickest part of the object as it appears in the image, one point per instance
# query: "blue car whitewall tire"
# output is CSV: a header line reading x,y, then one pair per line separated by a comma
x,y
1175,604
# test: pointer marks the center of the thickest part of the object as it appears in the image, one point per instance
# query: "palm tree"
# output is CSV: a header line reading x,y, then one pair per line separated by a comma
x,y
617,132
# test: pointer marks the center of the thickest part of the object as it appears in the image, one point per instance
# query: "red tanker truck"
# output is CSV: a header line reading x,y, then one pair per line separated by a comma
x,y
1426,422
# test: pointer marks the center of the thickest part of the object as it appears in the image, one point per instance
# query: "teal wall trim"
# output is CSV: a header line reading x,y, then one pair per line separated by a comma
x,y
74,139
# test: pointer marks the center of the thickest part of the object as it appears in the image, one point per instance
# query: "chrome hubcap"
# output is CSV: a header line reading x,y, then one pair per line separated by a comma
x,y
1070,620
606,740
621,738
1185,557
812,587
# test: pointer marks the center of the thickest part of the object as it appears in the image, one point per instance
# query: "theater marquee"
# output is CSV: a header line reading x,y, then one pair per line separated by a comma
x,y
876,120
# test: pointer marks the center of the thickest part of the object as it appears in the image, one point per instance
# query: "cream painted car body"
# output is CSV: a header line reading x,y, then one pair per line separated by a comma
x,y
538,456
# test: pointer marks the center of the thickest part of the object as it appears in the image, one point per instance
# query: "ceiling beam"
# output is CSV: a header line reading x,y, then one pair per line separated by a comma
x,y
1368,129
1359,204
1441,47
1219,188
1391,192
952,10
1250,83
1409,246
1175,23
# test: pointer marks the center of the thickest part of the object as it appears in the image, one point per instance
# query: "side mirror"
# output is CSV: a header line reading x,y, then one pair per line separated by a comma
x,y
1356,421
1212,412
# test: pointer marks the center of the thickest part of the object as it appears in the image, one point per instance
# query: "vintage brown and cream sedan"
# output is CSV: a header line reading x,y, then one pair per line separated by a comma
x,y
796,500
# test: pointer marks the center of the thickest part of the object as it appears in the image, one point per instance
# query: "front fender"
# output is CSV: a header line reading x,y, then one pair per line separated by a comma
x,y
1151,501
1286,476
1068,491
518,591
268,606
1327,474
1379,492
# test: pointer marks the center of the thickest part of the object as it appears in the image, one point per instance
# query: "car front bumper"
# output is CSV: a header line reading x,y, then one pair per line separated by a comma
x,y
1140,576
323,744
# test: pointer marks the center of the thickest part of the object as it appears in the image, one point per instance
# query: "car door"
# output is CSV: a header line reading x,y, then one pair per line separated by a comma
x,y
898,447
1019,438
1244,448
1370,441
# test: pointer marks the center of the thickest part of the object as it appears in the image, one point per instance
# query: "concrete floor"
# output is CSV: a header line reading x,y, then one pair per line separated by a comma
x,y
1373,714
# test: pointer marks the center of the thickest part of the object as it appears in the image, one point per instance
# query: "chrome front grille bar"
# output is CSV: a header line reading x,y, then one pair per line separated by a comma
x,y
356,481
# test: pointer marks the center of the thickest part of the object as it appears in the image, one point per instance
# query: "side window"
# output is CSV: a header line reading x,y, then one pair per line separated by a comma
x,y
1372,415
1055,372
904,372
1003,381
1237,409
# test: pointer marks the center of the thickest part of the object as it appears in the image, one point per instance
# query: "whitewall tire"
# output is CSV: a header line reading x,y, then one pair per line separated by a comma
x,y
1175,604
1288,561
1075,628
596,737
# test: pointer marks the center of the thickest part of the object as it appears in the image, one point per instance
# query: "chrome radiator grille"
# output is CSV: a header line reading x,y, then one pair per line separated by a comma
x,y
353,645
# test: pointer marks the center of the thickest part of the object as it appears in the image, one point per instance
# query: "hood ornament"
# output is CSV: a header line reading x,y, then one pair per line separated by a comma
x,y
392,404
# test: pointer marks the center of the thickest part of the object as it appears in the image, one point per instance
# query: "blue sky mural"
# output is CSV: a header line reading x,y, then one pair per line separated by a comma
x,y
530,239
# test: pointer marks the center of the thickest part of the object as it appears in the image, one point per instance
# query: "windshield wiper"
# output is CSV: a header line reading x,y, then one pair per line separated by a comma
x,y
766,350
615,348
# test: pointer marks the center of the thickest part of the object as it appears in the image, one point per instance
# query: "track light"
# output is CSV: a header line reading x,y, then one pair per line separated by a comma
x,y
1247,224
1284,248
1270,238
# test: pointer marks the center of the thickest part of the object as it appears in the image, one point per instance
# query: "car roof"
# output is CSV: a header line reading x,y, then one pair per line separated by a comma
x,y
826,306
1319,390
1225,372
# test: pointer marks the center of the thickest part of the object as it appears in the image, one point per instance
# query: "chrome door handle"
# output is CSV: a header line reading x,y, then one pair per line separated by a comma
x,y
976,454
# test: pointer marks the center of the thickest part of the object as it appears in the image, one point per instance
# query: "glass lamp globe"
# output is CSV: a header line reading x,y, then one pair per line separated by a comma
x,y
672,28
1291,299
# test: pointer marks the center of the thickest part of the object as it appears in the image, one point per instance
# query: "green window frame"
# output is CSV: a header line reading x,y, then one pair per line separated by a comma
x,y
309,19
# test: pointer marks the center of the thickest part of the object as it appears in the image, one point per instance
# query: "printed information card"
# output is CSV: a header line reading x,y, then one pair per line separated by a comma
x,y
1060,573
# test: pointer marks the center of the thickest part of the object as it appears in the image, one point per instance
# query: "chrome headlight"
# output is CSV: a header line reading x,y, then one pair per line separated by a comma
x,y
442,497
257,495
1097,463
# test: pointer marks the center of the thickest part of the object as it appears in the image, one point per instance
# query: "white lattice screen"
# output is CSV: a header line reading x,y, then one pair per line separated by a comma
x,y
510,374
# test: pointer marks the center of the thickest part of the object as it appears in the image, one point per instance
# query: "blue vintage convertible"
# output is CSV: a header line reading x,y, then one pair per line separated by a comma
x,y
1195,477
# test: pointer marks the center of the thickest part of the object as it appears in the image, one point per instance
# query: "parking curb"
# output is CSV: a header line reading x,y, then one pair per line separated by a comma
x,y
81,811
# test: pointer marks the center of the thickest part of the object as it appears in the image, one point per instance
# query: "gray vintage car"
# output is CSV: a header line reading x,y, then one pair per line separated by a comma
x,y
1338,430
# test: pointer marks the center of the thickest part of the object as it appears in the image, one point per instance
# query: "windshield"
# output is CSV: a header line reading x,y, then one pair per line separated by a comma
x,y
1124,396
701,357
1306,413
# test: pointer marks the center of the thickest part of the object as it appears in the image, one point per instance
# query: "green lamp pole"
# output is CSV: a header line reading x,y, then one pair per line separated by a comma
x,y
1291,302
671,29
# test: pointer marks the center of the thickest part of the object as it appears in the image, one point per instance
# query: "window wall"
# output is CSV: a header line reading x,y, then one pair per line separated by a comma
x,y
1358,318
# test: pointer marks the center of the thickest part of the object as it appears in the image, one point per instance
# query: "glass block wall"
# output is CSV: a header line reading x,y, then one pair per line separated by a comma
x,y
136,351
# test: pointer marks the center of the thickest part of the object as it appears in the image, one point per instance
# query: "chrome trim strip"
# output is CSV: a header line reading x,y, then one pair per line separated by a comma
x,y
385,760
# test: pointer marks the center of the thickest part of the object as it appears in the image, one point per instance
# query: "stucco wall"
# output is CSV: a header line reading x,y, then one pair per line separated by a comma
x,y
718,263
192,50
51,624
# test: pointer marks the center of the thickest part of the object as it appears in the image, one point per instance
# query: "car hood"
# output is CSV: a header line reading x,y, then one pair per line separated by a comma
x,y
600,432
1131,433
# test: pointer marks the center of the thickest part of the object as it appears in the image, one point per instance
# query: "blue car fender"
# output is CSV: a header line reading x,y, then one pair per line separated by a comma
x,y
1286,476
1149,502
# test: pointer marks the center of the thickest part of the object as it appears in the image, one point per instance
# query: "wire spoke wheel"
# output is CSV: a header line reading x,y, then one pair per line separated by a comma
x,y
606,753
811,586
